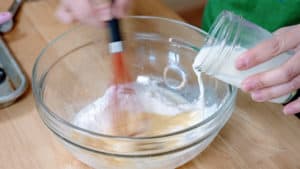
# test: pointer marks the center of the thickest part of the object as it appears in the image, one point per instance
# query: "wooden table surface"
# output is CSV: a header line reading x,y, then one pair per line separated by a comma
x,y
258,135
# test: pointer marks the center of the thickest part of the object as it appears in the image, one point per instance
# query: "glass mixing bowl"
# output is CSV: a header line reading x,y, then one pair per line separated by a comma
x,y
74,71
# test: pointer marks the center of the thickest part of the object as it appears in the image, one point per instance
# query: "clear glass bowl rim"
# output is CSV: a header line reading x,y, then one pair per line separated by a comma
x,y
36,84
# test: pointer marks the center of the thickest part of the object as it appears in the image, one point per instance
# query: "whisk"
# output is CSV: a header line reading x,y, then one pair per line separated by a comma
x,y
122,121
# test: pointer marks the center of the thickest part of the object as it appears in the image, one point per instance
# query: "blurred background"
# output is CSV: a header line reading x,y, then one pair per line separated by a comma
x,y
190,10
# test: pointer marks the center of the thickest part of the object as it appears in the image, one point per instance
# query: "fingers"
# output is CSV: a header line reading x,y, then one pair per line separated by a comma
x,y
284,39
297,48
102,12
273,92
92,12
292,108
81,9
64,14
120,8
98,15
283,74
5,16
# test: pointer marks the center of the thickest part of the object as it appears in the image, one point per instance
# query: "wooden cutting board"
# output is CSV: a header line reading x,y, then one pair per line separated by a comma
x,y
258,135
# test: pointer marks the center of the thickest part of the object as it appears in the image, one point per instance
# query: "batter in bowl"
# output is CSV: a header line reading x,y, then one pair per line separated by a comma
x,y
146,111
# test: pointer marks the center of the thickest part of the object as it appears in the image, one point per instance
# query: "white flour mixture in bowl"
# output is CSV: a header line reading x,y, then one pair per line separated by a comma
x,y
140,111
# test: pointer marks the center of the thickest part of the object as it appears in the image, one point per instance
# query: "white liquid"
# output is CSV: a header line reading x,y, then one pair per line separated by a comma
x,y
224,68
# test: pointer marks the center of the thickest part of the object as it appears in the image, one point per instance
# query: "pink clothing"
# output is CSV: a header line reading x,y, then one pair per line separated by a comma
x,y
5,16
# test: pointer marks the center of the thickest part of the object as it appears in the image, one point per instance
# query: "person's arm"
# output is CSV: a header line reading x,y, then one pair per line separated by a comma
x,y
4,17
280,81
92,12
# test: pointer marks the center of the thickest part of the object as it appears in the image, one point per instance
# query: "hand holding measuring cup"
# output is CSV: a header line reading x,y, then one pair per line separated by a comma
x,y
92,12
281,80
